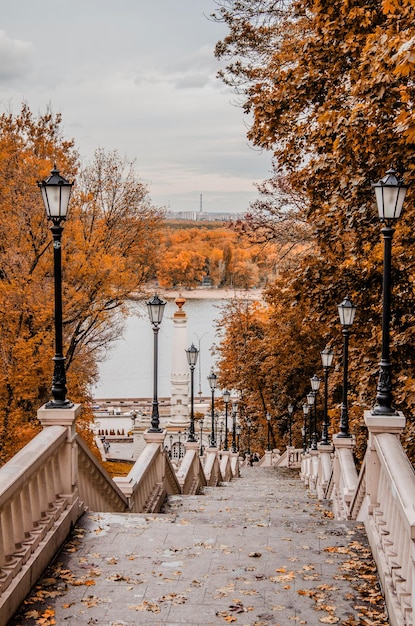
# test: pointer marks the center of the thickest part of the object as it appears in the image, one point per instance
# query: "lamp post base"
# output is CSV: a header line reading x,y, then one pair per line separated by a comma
x,y
57,404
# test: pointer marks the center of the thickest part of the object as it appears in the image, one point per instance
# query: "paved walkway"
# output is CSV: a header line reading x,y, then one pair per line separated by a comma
x,y
260,551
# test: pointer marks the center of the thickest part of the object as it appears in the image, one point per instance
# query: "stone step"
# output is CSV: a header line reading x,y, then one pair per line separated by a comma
x,y
259,551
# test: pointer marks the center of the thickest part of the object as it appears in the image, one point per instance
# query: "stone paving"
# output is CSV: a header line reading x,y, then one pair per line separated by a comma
x,y
259,551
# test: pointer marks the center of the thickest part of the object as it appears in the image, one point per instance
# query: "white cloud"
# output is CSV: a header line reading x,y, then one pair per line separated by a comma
x,y
15,57
138,77
192,81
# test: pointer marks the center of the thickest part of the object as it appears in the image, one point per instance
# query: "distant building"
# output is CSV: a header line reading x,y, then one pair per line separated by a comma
x,y
195,216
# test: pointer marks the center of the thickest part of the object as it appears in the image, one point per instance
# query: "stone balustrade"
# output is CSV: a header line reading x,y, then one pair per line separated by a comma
x,y
382,496
39,504
151,478
190,474
389,514
212,467
97,491
46,486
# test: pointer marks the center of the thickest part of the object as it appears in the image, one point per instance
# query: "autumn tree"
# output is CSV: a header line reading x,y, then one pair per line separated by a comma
x,y
190,254
106,257
330,87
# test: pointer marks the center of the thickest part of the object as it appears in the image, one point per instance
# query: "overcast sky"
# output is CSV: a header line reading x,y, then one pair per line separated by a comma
x,y
138,76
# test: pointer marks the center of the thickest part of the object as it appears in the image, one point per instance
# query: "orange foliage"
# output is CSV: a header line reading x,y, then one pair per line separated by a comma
x,y
107,255
214,252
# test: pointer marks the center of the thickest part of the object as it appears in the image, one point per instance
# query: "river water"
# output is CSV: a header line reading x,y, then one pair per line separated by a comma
x,y
127,371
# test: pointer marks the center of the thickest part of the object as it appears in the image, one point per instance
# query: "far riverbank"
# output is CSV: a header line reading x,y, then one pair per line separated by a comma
x,y
213,294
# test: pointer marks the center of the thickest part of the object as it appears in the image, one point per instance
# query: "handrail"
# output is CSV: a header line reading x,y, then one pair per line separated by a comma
x,y
390,523
234,466
38,506
226,466
395,463
291,457
97,490
172,484
47,486
191,475
344,478
359,493
283,461
147,473
212,469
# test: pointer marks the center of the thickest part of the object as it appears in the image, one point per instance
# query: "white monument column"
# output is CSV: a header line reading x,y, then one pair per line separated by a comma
x,y
180,374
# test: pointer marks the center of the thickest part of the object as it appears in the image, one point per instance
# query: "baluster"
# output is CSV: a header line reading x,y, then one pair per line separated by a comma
x,y
49,485
17,513
57,476
43,492
34,501
27,513
8,532
2,544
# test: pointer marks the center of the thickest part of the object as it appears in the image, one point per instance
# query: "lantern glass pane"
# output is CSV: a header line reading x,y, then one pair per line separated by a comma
x,y
327,357
346,312
315,383
390,194
155,308
212,380
192,354
56,192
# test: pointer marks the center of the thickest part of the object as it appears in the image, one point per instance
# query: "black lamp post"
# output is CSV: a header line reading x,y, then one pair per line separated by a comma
x,y
268,416
390,193
192,354
179,436
155,308
234,413
290,409
315,386
226,397
326,359
56,192
249,424
212,378
238,436
305,412
311,398
346,313
201,438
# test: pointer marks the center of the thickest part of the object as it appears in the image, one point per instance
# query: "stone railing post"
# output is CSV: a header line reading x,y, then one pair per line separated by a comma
x,y
151,437
290,455
325,453
344,475
306,468
376,424
69,460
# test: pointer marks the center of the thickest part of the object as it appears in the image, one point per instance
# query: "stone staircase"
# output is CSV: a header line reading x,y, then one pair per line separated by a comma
x,y
259,551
